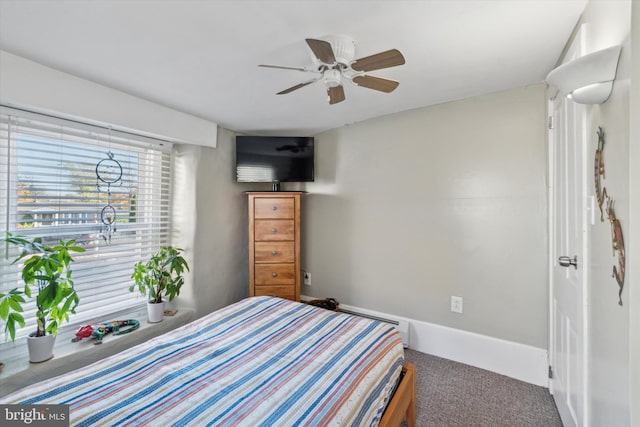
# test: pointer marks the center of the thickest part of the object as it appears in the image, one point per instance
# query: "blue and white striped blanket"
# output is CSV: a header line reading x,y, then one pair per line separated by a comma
x,y
260,362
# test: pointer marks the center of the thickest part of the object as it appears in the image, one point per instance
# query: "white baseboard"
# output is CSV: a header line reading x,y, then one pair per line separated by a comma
x,y
515,360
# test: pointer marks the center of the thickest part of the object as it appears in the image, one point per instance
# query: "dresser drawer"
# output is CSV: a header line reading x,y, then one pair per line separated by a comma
x,y
274,208
275,274
282,291
274,230
274,252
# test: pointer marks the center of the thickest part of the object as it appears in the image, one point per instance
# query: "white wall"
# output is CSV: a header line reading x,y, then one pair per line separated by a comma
x,y
24,83
410,209
609,402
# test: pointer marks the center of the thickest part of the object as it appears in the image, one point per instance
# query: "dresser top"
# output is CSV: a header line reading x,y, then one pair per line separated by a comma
x,y
273,193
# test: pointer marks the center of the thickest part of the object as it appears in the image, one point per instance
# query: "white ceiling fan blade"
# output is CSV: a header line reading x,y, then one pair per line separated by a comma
x,y
282,67
296,87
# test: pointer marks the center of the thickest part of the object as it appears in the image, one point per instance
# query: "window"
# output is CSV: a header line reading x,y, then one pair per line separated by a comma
x,y
50,188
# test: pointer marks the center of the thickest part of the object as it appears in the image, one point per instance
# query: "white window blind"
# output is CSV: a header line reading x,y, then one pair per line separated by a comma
x,y
49,188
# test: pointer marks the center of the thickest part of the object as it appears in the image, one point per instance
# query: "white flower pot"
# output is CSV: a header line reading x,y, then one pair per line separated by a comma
x,y
41,348
155,311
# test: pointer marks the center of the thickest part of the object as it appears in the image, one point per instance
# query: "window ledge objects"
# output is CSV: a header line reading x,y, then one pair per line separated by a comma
x,y
19,372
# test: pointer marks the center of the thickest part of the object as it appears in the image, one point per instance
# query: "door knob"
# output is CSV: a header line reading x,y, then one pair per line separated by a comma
x,y
565,261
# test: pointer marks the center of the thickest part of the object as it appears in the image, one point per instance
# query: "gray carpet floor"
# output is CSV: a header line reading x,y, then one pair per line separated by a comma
x,y
453,394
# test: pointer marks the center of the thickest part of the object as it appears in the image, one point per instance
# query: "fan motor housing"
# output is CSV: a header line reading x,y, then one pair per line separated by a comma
x,y
344,48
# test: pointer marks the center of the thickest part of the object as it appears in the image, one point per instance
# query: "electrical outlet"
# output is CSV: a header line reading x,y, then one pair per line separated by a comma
x,y
306,278
456,304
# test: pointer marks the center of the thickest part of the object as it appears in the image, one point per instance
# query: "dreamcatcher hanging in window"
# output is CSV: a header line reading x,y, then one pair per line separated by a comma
x,y
108,175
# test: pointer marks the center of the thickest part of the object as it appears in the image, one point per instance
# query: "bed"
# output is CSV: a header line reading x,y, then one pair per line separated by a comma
x,y
263,361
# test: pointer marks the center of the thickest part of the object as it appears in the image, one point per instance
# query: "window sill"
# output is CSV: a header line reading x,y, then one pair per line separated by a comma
x,y
19,372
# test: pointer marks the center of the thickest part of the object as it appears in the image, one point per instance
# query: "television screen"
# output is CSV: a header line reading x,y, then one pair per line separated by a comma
x,y
274,159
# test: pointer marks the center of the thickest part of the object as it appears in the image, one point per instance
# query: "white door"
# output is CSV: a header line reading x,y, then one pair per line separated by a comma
x,y
568,254
568,343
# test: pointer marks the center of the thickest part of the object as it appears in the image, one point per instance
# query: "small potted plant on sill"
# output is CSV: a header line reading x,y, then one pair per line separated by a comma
x,y
161,276
11,311
48,270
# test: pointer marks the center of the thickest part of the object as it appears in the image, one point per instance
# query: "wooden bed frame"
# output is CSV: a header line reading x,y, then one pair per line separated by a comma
x,y
403,401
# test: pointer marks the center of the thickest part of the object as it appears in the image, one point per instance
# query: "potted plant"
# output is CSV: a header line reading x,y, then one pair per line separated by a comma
x,y
48,270
10,311
161,276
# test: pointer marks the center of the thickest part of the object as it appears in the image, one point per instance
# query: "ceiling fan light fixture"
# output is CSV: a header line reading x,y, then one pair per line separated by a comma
x,y
331,78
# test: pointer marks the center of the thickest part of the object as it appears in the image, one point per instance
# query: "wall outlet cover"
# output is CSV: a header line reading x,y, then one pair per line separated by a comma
x,y
456,304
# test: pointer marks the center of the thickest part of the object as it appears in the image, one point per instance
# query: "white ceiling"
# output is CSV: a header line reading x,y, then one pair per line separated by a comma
x,y
201,56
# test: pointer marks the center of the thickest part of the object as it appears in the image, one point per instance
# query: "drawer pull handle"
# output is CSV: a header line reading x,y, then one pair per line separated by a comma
x,y
275,208
274,274
274,230
274,252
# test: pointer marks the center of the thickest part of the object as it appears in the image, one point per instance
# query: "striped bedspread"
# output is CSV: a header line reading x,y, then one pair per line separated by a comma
x,y
260,362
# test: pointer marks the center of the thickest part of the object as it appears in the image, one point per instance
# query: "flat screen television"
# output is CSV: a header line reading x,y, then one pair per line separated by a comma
x,y
274,159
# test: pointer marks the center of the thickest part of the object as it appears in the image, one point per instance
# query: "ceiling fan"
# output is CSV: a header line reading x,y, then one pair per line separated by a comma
x,y
333,60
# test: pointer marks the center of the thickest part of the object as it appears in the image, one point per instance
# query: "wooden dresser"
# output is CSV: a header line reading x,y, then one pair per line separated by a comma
x,y
274,244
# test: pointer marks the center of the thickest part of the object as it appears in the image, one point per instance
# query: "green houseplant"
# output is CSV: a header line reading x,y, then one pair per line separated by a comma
x,y
10,311
161,276
48,270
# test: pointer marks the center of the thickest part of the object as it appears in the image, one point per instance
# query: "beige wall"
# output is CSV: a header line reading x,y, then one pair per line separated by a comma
x,y
608,24
633,260
410,209
210,211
